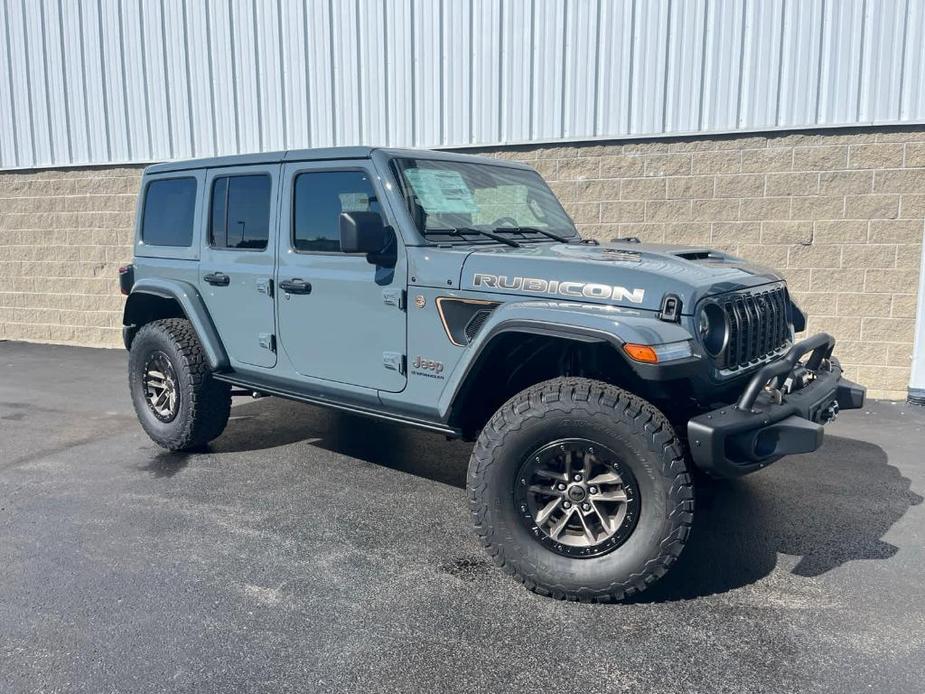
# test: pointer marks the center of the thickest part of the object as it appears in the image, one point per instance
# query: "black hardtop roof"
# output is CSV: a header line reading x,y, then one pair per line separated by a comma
x,y
319,154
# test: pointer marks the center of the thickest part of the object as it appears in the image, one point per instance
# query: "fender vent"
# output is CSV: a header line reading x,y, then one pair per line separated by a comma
x,y
476,322
463,318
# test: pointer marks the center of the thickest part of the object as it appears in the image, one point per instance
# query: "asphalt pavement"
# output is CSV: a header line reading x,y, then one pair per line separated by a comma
x,y
315,551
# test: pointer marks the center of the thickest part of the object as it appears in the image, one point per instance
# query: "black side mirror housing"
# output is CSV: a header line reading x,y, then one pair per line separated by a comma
x,y
362,232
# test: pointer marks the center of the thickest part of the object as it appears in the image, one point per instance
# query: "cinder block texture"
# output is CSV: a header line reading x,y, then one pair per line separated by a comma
x,y
63,236
839,212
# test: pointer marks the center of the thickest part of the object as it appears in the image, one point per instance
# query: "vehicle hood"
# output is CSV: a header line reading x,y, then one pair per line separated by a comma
x,y
625,274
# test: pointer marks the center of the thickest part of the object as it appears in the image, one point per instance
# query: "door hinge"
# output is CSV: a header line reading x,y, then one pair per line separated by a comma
x,y
265,286
267,341
394,361
394,297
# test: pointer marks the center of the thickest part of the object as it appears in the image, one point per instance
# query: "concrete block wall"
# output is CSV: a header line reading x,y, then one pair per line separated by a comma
x,y
841,213
63,235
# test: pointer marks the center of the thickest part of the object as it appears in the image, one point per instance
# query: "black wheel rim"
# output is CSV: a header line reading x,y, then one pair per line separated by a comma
x,y
577,498
159,384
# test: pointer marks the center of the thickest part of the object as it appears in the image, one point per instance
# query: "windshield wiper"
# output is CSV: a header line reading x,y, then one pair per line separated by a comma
x,y
535,230
459,231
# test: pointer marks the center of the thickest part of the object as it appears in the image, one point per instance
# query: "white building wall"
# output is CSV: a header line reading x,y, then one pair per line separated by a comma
x,y
118,81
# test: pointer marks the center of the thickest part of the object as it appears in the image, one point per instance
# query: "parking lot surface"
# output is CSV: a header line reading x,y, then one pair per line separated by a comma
x,y
309,550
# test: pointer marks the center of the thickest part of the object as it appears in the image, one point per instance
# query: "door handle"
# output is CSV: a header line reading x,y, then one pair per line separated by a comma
x,y
296,286
218,279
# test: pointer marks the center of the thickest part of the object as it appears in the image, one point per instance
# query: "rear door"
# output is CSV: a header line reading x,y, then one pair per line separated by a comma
x,y
237,260
343,319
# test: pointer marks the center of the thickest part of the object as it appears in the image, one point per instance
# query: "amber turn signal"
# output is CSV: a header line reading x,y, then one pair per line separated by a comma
x,y
643,353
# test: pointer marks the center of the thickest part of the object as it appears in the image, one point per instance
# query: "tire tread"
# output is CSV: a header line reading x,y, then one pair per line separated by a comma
x,y
209,400
651,426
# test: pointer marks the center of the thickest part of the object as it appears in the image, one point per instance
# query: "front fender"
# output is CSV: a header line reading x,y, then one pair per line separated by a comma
x,y
194,308
569,320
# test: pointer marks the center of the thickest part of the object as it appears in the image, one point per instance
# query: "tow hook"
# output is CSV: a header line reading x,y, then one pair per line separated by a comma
x,y
830,413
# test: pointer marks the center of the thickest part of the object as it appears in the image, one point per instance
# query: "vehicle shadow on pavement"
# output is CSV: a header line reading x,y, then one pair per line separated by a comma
x,y
270,423
423,454
827,508
166,463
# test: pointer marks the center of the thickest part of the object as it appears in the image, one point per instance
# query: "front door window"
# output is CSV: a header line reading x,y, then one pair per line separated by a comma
x,y
320,197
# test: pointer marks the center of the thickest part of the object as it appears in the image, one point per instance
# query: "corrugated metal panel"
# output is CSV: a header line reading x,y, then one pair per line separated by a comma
x,y
685,66
111,81
912,99
721,82
801,51
615,68
515,92
648,75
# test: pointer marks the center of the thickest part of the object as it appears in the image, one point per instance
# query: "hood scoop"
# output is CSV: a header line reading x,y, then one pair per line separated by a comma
x,y
700,254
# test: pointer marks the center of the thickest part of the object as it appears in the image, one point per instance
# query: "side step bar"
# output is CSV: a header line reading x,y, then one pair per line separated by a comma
x,y
268,389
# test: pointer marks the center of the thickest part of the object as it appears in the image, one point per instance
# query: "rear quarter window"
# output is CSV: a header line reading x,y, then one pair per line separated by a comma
x,y
240,216
169,209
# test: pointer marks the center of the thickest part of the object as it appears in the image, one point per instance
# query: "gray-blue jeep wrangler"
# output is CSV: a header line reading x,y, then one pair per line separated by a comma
x,y
453,293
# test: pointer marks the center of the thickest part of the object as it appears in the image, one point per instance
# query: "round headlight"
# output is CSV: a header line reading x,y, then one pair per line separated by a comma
x,y
703,325
713,328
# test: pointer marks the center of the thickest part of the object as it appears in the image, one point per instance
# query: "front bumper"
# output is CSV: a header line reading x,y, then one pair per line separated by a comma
x,y
768,423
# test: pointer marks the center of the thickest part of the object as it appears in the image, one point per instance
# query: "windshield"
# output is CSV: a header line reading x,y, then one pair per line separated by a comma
x,y
453,198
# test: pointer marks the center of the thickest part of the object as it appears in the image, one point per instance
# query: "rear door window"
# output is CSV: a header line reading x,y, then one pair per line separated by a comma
x,y
170,205
240,212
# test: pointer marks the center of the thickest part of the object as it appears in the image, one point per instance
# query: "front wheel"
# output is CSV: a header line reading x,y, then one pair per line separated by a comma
x,y
580,490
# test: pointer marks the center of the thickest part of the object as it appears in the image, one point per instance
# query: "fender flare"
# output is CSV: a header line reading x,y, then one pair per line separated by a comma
x,y
587,323
193,307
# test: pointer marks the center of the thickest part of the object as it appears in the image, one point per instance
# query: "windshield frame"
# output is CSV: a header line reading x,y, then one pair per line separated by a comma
x,y
468,235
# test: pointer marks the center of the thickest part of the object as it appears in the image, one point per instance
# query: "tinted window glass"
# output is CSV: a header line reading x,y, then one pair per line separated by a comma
x,y
240,212
168,212
319,200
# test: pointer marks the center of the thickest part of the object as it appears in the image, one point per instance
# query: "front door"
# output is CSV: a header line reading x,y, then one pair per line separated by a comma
x,y
341,317
236,263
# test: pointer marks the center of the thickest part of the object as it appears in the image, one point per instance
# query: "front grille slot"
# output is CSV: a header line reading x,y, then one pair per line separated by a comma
x,y
758,326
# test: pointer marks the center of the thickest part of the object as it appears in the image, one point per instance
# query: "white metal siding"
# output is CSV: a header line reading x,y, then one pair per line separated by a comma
x,y
110,81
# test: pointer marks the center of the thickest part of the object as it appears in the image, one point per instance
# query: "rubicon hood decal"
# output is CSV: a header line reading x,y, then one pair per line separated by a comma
x,y
588,274
538,285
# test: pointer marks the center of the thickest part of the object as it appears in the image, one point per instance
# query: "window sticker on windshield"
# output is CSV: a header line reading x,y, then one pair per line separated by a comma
x,y
441,191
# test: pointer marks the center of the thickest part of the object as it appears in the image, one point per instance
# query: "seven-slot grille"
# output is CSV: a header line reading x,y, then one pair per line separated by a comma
x,y
758,326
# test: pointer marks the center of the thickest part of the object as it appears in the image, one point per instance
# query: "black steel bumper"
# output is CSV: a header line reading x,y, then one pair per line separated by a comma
x,y
766,423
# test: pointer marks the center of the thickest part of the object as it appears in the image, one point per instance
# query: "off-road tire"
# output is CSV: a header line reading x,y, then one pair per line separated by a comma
x,y
570,407
204,403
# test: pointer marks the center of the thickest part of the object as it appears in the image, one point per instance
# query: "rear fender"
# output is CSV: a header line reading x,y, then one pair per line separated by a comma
x,y
193,307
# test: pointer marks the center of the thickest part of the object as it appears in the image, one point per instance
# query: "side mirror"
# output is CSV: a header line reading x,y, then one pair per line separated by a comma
x,y
362,232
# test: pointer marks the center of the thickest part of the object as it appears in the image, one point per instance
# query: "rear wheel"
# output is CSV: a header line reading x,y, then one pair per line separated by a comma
x,y
580,490
179,404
